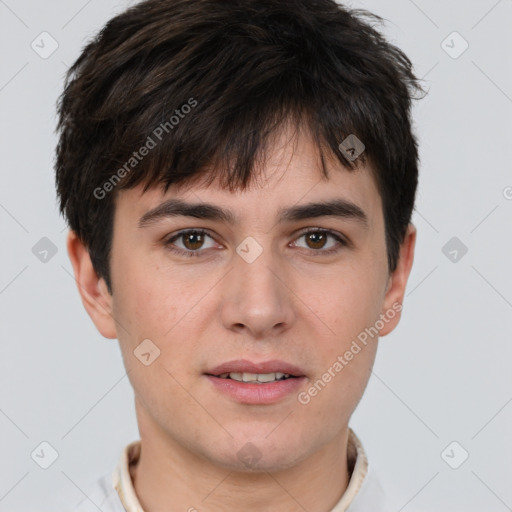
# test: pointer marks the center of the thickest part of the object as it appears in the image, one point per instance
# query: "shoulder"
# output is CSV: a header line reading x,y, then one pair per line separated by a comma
x,y
101,495
371,496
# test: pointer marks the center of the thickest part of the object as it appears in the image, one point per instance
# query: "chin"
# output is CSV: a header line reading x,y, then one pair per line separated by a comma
x,y
259,454
257,465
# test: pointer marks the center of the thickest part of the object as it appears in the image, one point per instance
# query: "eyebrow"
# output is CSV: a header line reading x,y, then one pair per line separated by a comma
x,y
340,208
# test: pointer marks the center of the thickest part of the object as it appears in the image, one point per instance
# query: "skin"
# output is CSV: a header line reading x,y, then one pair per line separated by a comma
x,y
293,303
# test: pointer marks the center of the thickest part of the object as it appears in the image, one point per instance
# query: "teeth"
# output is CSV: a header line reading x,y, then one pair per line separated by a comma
x,y
269,377
255,377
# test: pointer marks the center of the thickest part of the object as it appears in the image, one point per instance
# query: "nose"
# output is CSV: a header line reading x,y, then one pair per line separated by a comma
x,y
257,299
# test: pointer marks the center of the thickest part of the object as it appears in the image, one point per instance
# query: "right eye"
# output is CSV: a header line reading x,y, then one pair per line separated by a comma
x,y
194,238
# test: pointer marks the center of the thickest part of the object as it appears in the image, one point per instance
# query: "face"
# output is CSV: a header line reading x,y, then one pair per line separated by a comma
x,y
292,287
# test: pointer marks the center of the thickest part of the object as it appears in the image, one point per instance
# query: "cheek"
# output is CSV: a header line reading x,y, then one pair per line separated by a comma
x,y
347,357
349,303
148,302
166,307
139,306
149,308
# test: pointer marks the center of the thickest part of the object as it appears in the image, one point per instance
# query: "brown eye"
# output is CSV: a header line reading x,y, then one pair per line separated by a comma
x,y
193,240
316,240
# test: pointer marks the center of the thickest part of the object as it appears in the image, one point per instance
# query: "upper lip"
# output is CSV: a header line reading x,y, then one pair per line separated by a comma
x,y
245,366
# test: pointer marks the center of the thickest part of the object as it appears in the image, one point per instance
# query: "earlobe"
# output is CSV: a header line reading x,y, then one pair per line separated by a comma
x,y
397,282
93,290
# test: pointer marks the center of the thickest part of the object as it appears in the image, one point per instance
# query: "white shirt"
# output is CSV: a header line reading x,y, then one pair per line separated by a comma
x,y
115,493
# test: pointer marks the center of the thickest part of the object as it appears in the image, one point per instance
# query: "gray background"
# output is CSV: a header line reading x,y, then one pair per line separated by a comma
x,y
443,375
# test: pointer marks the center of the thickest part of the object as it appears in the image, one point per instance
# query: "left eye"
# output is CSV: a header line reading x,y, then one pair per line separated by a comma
x,y
316,239
193,241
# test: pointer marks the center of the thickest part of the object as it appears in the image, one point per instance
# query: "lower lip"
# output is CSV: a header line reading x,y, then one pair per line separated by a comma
x,y
259,394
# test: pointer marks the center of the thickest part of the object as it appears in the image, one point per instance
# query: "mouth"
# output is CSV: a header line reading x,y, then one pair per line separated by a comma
x,y
243,370
256,383
255,378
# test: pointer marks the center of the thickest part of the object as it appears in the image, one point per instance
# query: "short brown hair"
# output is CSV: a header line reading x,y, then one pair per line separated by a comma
x,y
242,68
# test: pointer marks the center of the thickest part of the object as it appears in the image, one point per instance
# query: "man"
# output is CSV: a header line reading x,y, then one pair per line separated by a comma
x,y
239,178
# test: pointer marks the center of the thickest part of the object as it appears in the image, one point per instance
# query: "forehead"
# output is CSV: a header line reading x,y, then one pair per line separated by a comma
x,y
291,174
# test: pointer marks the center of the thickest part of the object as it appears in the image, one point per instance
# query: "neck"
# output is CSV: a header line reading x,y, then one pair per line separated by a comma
x,y
169,474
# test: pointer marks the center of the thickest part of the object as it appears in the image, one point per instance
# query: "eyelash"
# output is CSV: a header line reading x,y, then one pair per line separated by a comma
x,y
200,231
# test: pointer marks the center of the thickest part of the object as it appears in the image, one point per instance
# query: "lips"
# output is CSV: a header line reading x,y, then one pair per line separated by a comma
x,y
245,366
242,387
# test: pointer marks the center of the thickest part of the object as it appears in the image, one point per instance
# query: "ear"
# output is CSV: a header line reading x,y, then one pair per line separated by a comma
x,y
397,282
93,289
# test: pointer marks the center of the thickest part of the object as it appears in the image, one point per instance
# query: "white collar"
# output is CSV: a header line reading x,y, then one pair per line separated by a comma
x,y
357,463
